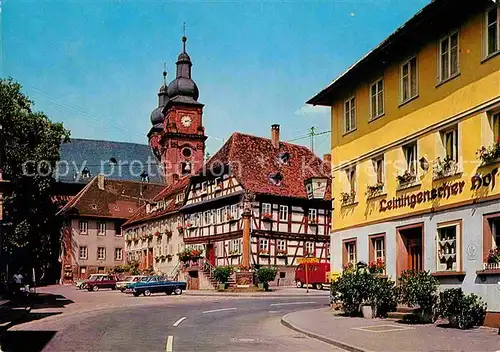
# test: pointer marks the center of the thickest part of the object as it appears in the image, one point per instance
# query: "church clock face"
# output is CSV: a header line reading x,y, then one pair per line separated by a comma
x,y
186,121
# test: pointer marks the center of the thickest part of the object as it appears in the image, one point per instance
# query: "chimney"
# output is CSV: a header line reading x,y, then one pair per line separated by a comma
x,y
275,135
327,159
100,182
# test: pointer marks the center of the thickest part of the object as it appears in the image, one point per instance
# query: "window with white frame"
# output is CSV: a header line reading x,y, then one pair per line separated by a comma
x,y
204,186
101,228
309,248
351,252
350,115
448,245
220,219
84,227
495,232
410,153
377,99
101,253
283,213
351,179
379,169
235,211
179,198
495,127
448,57
409,80
118,253
264,245
312,215
225,213
379,248
207,218
83,252
493,30
214,216
235,246
266,208
450,143
281,245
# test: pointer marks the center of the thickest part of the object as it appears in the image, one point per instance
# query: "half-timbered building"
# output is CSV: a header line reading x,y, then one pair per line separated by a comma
x,y
286,220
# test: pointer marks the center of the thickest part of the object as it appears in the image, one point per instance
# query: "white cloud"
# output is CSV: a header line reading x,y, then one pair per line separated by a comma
x,y
310,110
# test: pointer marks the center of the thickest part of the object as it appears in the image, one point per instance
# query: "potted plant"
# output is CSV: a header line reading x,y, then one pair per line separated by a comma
x,y
180,229
406,179
347,198
281,253
462,311
222,274
444,168
263,252
419,288
491,154
374,190
267,217
266,275
493,259
376,267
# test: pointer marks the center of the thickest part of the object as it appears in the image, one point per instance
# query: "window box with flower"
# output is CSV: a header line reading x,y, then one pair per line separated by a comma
x,y
281,253
313,222
489,155
375,190
406,179
444,168
264,253
493,260
234,253
376,267
348,198
267,217
180,229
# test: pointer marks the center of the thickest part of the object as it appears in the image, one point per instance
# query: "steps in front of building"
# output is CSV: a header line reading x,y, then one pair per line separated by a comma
x,y
403,313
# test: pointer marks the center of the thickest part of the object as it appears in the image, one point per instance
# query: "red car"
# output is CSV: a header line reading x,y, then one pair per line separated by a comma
x,y
317,275
102,281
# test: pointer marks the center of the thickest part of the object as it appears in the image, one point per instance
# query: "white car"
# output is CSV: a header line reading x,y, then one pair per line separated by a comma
x,y
122,285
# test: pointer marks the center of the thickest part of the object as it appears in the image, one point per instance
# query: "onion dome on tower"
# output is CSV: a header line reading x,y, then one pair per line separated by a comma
x,y
183,88
157,116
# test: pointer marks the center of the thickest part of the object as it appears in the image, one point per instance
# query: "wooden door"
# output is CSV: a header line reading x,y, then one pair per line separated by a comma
x,y
211,253
415,255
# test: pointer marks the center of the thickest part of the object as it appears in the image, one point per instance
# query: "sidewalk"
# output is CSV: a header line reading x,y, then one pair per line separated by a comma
x,y
374,335
276,292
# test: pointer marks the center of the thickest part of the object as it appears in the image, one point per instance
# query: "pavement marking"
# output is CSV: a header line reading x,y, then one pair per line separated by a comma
x,y
290,303
170,344
180,321
273,311
383,328
217,310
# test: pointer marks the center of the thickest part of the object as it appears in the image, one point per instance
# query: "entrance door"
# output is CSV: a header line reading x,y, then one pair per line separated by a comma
x,y
410,249
211,253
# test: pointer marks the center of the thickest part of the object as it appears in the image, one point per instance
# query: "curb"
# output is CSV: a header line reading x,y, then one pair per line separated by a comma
x,y
325,339
248,295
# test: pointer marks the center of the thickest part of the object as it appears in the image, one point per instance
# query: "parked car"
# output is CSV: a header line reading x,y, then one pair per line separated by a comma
x,y
102,281
82,283
122,285
317,275
156,284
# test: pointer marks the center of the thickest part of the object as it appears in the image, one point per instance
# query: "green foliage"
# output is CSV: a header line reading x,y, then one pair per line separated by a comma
x,y
32,145
266,275
131,267
222,273
358,286
462,311
418,288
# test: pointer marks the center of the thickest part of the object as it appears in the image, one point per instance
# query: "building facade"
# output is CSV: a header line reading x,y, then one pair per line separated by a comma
x,y
92,240
154,234
415,145
258,186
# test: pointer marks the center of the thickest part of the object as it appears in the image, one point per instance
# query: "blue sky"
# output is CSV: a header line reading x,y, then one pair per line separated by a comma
x,y
96,65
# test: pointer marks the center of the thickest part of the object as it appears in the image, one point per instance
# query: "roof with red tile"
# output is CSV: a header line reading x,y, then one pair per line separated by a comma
x,y
119,199
254,159
168,193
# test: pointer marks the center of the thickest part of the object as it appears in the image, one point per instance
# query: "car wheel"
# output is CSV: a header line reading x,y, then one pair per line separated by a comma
x,y
318,286
299,284
95,288
178,291
136,294
147,293
122,290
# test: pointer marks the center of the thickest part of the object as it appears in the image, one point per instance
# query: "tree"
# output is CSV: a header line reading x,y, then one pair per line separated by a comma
x,y
32,142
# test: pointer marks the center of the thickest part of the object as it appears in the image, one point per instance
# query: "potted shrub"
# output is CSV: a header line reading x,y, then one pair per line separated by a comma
x,y
462,311
222,274
491,154
266,275
419,288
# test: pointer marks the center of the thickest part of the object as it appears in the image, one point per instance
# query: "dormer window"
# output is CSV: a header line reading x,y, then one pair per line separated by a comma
x,y
276,178
86,173
284,157
144,176
179,198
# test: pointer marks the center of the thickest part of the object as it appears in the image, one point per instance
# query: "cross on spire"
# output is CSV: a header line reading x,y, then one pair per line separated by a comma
x,y
184,39
165,73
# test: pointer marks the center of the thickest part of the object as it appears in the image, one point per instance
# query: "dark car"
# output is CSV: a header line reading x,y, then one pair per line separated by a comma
x,y
156,284
103,281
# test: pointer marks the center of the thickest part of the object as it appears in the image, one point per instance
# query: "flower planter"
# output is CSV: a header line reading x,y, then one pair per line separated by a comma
x,y
367,312
222,286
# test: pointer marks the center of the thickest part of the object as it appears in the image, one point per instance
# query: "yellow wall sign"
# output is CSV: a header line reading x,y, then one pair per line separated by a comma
x,y
308,260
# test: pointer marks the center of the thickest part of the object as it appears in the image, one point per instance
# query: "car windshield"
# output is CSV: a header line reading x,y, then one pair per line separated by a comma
x,y
145,279
129,278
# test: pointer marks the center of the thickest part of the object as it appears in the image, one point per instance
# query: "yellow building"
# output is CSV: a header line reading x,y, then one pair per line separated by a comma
x,y
409,185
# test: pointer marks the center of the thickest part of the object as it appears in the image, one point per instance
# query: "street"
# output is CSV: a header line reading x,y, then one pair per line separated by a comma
x,y
169,323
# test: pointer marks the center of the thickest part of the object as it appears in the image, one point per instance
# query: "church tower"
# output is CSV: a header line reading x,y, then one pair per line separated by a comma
x,y
178,136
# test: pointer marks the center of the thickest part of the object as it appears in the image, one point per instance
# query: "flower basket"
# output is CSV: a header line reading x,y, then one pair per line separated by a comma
x,y
444,168
267,217
264,253
489,155
180,229
493,256
374,190
347,198
376,267
406,179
